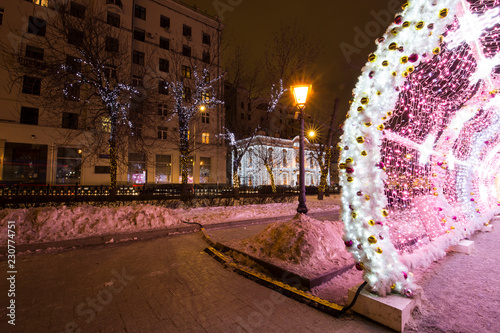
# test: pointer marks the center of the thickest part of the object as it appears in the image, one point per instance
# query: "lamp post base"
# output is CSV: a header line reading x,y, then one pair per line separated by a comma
x,y
302,208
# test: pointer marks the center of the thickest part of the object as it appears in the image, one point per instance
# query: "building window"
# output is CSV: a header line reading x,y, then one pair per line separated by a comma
x,y
205,168
242,116
44,3
205,137
138,58
137,130
140,12
29,116
112,44
73,64
136,168
164,65
31,85
136,81
164,43
163,169
1,16
285,160
186,31
109,72
250,157
205,118
37,26
163,88
75,37
205,39
139,34
106,124
77,10
249,106
34,52
186,51
72,92
206,57
113,19
249,116
69,165
115,2
102,169
186,71
165,22
162,133
186,94
162,109
205,96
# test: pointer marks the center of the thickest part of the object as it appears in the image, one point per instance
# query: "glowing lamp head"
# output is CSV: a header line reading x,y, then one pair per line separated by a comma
x,y
311,134
300,94
202,108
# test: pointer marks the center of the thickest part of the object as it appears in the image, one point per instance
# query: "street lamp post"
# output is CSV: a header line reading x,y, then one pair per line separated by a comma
x,y
300,95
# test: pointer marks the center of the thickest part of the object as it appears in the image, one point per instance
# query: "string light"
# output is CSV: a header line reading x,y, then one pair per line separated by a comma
x,y
428,169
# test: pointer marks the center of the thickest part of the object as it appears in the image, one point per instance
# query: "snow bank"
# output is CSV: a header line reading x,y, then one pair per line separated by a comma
x,y
302,245
46,224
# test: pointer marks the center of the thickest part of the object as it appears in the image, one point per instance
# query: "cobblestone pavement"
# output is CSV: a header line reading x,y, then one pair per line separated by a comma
x,y
161,285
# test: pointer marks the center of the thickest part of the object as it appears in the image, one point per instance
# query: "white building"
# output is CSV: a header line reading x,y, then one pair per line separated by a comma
x,y
282,159
164,35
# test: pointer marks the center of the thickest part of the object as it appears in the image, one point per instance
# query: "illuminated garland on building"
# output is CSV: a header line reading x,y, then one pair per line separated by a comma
x,y
419,154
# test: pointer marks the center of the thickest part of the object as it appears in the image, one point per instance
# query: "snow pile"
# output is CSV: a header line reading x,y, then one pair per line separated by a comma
x,y
44,224
302,245
233,213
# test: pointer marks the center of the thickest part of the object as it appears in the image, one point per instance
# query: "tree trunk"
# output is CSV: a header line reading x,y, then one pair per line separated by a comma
x,y
271,176
324,173
184,150
113,158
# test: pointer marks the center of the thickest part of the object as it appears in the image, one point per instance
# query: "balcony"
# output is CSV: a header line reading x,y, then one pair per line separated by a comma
x,y
115,3
30,62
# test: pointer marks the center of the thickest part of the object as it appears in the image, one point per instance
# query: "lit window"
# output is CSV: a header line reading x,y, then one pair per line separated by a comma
x,y
106,124
205,137
205,96
44,3
186,71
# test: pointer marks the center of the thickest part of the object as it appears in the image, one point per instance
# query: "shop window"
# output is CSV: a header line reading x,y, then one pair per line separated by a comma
x,y
69,165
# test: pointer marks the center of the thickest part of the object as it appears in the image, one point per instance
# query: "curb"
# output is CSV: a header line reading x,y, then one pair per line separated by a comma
x,y
278,271
283,288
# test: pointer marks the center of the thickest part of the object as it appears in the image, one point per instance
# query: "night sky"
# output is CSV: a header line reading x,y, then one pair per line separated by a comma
x,y
336,23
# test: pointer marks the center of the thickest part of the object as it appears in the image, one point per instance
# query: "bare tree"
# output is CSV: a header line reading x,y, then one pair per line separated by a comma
x,y
289,58
268,154
322,152
81,69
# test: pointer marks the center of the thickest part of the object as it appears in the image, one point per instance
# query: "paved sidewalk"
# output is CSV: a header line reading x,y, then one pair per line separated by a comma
x,y
160,285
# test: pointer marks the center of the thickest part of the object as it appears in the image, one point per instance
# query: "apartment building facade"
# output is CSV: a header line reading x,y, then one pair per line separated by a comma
x,y
151,47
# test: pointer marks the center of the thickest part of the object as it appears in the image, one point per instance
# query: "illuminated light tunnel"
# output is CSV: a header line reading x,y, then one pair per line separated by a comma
x,y
420,153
